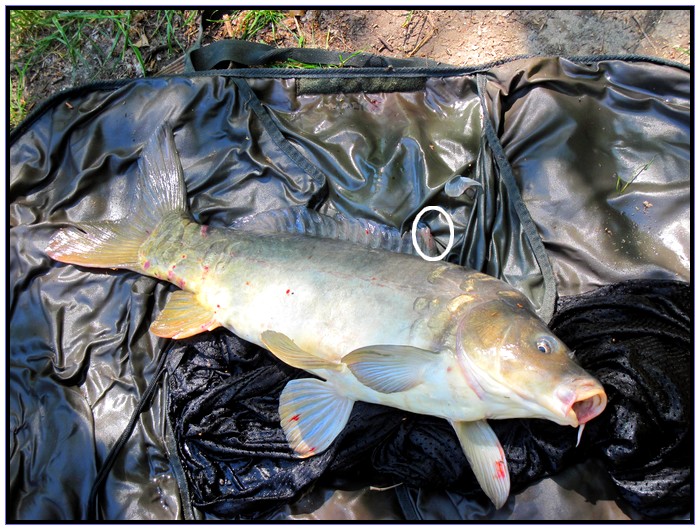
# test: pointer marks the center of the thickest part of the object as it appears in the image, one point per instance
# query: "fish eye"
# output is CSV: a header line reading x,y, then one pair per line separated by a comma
x,y
544,345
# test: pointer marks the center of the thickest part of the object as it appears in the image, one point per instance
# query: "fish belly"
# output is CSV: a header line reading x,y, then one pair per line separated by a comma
x,y
329,297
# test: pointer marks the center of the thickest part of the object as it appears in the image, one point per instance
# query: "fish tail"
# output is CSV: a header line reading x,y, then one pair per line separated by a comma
x,y
116,244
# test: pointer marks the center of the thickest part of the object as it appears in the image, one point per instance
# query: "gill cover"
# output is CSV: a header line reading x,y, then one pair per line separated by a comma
x,y
505,336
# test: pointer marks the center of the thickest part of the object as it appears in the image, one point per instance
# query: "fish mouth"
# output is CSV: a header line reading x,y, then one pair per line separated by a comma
x,y
582,402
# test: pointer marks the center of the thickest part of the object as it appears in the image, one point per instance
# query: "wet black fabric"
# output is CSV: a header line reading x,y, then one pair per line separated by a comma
x,y
554,132
635,337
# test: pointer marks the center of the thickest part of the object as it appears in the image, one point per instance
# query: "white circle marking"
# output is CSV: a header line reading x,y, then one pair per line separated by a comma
x,y
442,212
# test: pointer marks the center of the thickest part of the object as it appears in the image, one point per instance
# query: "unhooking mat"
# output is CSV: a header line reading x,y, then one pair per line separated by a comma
x,y
584,173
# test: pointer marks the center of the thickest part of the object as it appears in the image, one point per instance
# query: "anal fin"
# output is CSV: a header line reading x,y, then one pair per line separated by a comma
x,y
183,316
486,458
312,415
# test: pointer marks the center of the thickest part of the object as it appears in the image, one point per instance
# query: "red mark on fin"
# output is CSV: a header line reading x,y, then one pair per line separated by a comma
x,y
203,230
312,450
170,275
181,283
500,469
449,368
147,265
295,418
367,231
289,291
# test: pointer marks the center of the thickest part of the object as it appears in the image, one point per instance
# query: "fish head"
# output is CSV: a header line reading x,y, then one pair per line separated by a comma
x,y
518,364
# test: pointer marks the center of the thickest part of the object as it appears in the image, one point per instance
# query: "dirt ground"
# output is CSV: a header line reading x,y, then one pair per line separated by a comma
x,y
455,37
473,37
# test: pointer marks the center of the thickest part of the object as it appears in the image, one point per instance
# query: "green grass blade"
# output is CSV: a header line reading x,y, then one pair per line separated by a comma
x,y
620,187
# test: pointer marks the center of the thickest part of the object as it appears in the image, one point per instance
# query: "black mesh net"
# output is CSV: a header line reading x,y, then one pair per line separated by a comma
x,y
634,336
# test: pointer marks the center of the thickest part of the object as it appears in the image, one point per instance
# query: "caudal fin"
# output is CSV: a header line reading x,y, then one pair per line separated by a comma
x,y
116,244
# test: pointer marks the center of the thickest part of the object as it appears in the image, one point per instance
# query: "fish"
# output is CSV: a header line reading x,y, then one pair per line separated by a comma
x,y
367,323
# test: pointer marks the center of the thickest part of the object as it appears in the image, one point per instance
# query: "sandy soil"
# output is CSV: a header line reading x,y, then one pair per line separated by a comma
x,y
472,37
456,37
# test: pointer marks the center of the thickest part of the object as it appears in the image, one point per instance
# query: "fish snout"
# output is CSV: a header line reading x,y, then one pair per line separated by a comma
x,y
581,400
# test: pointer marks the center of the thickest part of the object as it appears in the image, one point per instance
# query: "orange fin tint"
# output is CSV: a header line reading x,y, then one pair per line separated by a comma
x,y
285,350
182,317
115,244
107,244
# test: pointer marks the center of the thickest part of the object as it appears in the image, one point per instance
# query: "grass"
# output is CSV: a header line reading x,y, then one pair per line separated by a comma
x,y
67,32
85,43
293,63
87,40
253,22
621,184
51,49
256,20
18,101
168,18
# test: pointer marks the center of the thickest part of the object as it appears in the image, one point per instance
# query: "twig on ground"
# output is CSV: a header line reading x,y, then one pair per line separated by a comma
x,y
645,34
227,24
422,43
385,44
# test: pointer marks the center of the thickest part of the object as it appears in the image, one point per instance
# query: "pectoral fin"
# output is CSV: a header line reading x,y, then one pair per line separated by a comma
x,y
486,458
389,369
183,316
312,414
286,351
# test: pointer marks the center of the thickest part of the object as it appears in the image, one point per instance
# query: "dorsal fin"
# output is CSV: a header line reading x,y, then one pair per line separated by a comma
x,y
370,234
